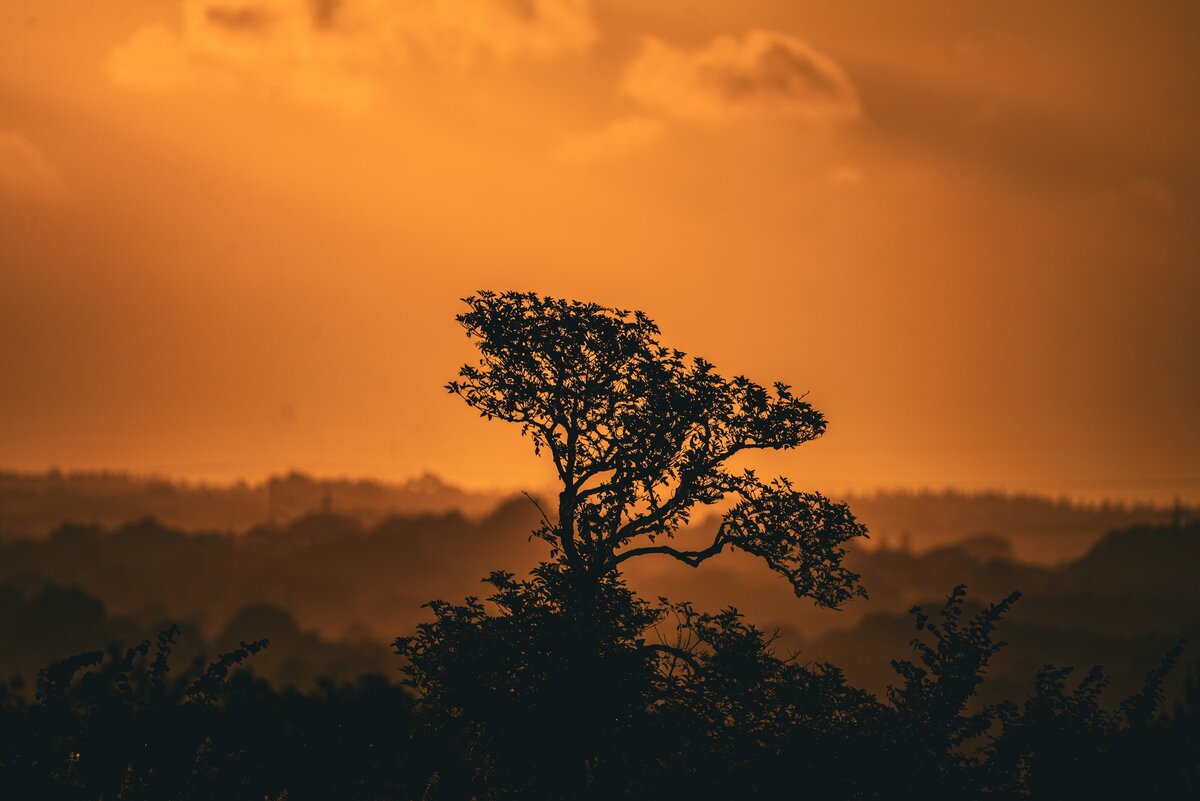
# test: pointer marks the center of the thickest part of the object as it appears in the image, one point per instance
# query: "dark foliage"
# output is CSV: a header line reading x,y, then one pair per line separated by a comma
x,y
713,713
122,726
684,704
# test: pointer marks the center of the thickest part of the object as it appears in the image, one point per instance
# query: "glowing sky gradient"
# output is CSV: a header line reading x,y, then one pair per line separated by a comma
x,y
233,233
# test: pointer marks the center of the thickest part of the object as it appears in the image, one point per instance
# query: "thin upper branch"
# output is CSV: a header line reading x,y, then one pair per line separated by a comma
x,y
678,653
538,506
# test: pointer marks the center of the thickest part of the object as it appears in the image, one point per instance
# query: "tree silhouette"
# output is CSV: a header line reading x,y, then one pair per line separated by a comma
x,y
640,435
567,682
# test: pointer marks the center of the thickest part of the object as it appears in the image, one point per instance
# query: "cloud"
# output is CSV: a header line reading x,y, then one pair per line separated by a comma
x,y
617,139
466,32
330,52
155,60
281,47
25,171
758,73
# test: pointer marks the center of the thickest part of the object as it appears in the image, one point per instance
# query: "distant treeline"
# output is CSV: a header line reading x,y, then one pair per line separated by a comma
x,y
1040,529
331,572
32,505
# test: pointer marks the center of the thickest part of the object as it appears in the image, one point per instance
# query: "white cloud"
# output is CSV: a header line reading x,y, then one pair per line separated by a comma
x,y
329,52
760,72
465,32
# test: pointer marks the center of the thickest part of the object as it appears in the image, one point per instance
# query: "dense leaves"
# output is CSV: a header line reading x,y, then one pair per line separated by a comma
x,y
640,435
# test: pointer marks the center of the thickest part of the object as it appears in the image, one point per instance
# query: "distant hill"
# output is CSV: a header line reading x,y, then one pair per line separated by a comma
x,y
329,586
42,624
34,504
1040,529
331,572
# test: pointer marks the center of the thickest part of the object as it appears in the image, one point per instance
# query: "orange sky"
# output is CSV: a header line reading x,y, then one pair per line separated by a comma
x,y
233,232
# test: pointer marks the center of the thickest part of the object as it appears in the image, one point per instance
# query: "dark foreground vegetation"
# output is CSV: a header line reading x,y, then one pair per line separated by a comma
x,y
511,704
567,684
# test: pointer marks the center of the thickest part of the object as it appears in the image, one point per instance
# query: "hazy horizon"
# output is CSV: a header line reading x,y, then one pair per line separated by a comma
x,y
1162,494
232,244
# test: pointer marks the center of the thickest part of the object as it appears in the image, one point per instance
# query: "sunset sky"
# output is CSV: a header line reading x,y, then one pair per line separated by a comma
x,y
234,233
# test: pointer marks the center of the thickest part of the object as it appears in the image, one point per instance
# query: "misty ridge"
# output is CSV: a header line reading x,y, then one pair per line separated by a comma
x,y
34,504
330,570
1036,528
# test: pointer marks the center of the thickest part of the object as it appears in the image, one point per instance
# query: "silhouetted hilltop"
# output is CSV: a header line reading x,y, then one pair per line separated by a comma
x,y
332,572
1040,529
1155,560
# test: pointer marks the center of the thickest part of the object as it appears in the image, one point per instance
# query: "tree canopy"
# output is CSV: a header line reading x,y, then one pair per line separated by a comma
x,y
641,434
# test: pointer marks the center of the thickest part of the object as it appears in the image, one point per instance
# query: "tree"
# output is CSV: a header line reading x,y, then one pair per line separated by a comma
x,y
554,685
640,436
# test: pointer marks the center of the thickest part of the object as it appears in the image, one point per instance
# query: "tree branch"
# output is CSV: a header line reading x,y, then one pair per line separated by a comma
x,y
684,495
538,506
678,653
689,558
